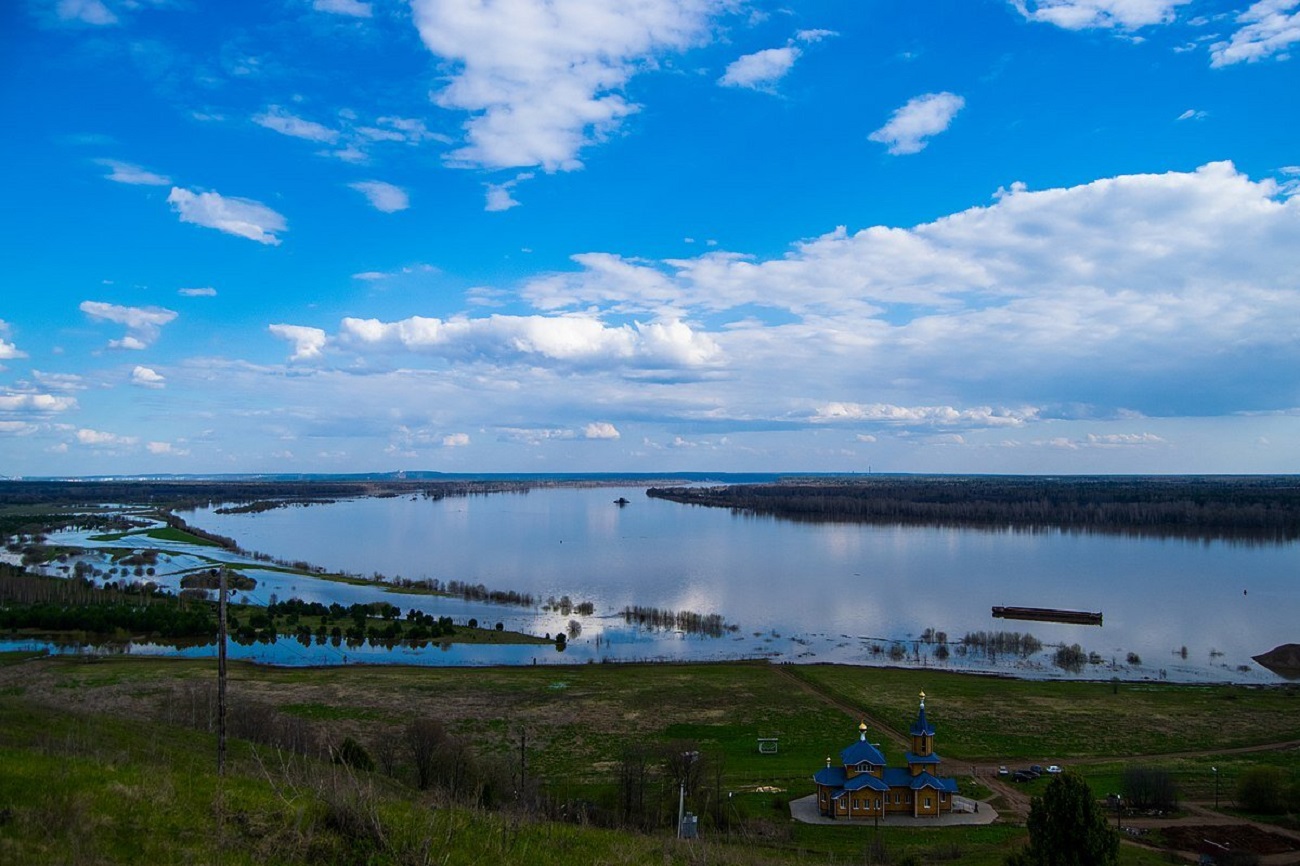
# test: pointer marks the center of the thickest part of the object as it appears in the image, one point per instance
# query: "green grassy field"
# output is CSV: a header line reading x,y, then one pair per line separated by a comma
x,y
102,763
984,719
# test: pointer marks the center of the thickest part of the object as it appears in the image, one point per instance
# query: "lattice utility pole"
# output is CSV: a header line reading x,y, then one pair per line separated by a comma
x,y
221,682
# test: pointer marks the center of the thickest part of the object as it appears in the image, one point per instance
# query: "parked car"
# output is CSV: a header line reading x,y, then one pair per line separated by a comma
x,y
1038,769
1023,776
1002,771
1053,769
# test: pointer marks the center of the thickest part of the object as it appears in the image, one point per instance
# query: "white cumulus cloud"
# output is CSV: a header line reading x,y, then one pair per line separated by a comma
x,y
573,339
8,351
383,196
911,127
34,402
1114,292
925,416
1089,14
760,70
600,430
147,378
500,196
308,343
1268,28
542,79
455,440
101,439
241,217
143,324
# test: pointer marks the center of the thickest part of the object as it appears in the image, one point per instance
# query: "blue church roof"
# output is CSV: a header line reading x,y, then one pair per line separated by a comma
x,y
925,780
898,777
922,727
865,780
862,751
833,776
932,758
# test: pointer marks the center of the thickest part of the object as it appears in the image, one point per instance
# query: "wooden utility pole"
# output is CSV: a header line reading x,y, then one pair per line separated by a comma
x,y
221,681
523,765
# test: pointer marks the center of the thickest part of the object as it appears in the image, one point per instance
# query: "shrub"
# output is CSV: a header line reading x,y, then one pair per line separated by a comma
x,y
1259,789
353,754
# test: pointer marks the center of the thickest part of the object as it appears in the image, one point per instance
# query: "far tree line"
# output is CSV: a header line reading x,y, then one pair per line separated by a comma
x,y
1254,508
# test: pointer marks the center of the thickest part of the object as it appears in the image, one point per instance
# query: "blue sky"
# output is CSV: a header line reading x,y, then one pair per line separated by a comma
x,y
1058,236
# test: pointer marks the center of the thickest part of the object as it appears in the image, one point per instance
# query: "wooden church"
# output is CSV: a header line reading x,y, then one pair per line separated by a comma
x,y
863,787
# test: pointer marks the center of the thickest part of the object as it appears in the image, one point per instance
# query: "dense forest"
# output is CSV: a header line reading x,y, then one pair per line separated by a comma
x,y
48,604
260,494
1247,508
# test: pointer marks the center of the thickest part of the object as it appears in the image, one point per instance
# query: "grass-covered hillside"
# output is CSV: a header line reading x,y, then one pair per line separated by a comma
x,y
114,760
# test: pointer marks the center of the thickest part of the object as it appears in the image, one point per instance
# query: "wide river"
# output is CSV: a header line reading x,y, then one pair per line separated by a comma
x,y
800,592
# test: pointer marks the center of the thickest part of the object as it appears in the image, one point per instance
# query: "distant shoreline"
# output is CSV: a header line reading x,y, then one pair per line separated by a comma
x,y
1234,508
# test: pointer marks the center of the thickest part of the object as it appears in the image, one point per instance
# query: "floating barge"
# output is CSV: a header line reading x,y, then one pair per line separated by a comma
x,y
1048,614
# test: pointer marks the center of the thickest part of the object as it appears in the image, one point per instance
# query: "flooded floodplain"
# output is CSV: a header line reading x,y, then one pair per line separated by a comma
x,y
1175,609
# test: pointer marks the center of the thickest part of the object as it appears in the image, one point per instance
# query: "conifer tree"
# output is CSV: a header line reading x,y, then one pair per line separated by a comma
x,y
1066,828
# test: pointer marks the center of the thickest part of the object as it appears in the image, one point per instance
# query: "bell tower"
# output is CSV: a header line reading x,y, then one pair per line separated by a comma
x,y
921,756
922,733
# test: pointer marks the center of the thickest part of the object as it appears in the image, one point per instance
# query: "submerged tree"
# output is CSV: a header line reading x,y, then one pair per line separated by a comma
x,y
1066,828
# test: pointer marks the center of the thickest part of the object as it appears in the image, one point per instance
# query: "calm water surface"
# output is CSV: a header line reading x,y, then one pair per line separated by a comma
x,y
799,591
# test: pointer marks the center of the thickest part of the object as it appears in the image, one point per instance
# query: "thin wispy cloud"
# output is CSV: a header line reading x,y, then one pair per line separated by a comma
x,y
911,127
352,8
143,324
125,172
382,196
92,12
198,292
241,217
59,381
284,122
763,70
